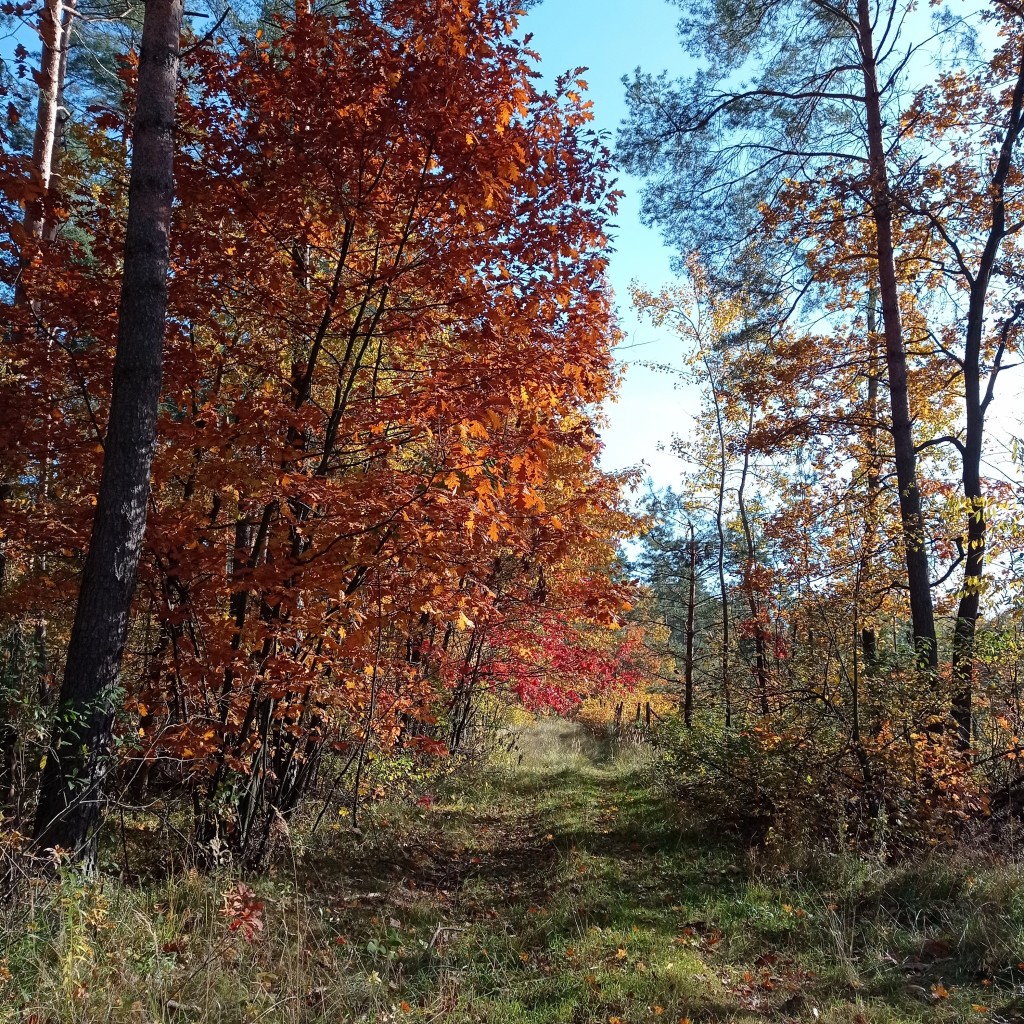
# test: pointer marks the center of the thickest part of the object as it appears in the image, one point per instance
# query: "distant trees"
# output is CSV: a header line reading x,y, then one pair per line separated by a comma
x,y
677,558
810,719
816,111
972,210
849,226
716,525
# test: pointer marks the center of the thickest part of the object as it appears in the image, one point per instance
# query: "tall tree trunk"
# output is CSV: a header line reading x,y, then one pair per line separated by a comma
x,y
976,406
921,611
50,222
55,21
723,470
55,32
869,637
760,648
73,780
691,604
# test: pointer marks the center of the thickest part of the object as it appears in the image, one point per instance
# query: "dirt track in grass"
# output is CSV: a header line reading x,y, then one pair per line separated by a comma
x,y
560,886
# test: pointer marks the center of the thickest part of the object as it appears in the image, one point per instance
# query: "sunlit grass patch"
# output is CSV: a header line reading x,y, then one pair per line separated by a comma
x,y
561,887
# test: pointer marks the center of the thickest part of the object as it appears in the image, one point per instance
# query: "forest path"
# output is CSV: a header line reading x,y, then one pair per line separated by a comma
x,y
559,888
556,886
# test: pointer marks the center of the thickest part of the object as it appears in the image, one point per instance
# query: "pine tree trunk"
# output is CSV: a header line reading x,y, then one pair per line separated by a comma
x,y
74,777
916,554
54,31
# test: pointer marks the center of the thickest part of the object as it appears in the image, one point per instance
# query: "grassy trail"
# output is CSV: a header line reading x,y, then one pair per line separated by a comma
x,y
561,889
555,888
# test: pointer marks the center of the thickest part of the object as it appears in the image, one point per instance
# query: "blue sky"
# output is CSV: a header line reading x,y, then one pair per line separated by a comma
x,y
611,38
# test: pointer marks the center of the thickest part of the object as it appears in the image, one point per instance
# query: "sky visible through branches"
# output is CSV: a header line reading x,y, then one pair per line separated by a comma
x,y
611,39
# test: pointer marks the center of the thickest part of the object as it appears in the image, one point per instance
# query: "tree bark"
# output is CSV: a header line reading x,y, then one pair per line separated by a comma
x,y
39,223
55,32
720,521
760,652
55,21
869,636
912,521
691,605
976,406
77,764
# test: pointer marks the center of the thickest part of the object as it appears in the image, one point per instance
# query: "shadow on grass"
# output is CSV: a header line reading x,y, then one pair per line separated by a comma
x,y
559,888
562,888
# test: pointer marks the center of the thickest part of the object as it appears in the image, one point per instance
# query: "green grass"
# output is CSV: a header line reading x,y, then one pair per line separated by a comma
x,y
556,887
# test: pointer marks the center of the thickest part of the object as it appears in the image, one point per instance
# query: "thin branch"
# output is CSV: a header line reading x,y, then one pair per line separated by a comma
x,y
997,362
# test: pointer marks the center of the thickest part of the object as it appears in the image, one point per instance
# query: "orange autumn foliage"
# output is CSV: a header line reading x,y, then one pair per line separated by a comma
x,y
387,337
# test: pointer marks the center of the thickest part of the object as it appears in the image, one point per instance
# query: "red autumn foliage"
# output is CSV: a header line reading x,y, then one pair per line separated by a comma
x,y
377,454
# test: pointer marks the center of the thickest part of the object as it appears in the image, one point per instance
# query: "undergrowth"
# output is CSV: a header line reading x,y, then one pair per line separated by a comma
x,y
556,886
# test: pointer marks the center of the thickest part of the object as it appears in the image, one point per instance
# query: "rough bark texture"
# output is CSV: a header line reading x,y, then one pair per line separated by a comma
x,y
53,35
73,780
50,221
916,553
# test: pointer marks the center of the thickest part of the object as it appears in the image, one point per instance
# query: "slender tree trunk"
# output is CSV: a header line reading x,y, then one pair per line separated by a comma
x,y
869,637
976,406
51,153
54,31
691,604
723,469
857,737
55,21
39,223
760,652
50,222
74,777
921,611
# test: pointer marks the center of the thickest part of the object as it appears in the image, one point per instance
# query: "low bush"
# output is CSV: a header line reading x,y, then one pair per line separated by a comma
x,y
793,784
